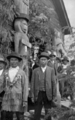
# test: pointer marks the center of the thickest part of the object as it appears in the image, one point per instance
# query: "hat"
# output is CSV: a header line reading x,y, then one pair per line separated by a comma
x,y
21,16
59,59
65,59
73,62
15,55
52,55
44,54
2,59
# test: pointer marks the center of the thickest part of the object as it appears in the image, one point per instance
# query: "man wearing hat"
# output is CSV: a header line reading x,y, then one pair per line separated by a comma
x,y
65,60
2,71
43,86
15,97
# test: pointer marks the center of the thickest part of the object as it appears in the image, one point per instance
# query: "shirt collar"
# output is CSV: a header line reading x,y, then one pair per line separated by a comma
x,y
14,68
1,71
44,68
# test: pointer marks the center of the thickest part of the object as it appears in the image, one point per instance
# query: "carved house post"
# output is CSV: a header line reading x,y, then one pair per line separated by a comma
x,y
21,40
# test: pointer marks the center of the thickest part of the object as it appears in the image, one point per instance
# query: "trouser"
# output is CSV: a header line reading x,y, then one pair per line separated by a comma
x,y
5,115
1,97
41,101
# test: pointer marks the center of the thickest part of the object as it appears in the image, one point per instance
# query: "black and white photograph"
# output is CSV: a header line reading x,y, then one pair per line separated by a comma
x,y
37,59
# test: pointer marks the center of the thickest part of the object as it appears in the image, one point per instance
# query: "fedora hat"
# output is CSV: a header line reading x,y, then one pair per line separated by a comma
x,y
2,59
44,54
53,54
14,55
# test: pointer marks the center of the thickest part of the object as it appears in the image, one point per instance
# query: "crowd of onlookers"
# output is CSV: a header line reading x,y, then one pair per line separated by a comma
x,y
45,86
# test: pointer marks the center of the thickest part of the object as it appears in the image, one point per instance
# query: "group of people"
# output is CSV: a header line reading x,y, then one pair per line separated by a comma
x,y
13,86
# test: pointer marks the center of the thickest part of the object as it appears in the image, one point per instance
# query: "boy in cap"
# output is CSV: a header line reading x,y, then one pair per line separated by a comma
x,y
15,97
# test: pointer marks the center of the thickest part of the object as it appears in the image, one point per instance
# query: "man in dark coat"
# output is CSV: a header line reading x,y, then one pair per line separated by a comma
x,y
43,86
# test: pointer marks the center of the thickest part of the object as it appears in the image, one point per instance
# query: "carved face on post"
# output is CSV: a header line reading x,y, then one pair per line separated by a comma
x,y
24,26
21,25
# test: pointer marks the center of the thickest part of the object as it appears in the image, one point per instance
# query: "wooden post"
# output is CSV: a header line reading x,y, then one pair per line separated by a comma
x,y
21,40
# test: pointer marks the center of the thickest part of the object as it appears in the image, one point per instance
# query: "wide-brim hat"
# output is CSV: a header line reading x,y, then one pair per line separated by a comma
x,y
65,59
44,54
21,16
58,59
14,55
52,55
2,59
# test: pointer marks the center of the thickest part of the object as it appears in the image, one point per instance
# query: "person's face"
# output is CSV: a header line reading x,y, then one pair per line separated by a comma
x,y
2,65
24,26
52,59
65,62
14,62
43,61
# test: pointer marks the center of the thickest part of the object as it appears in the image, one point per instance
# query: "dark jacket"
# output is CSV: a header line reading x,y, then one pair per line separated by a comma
x,y
50,83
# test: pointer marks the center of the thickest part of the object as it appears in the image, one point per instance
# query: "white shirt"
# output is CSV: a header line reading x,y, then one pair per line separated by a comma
x,y
12,73
1,71
43,69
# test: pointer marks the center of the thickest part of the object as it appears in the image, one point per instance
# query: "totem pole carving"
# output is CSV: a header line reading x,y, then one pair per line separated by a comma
x,y
22,6
21,40
59,44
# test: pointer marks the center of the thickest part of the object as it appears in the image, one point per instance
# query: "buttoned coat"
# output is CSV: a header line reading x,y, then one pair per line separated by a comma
x,y
50,83
15,92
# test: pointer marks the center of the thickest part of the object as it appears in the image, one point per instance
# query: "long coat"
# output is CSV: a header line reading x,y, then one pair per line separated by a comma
x,y
15,92
1,85
50,83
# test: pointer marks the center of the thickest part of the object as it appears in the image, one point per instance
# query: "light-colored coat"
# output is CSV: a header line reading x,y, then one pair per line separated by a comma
x,y
50,83
15,92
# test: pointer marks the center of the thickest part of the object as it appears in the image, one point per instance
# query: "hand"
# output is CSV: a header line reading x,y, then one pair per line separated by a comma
x,y
32,99
26,115
24,103
57,100
25,107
